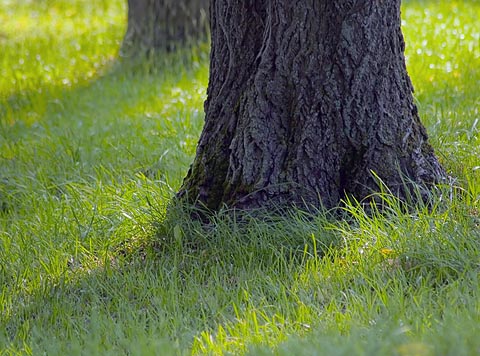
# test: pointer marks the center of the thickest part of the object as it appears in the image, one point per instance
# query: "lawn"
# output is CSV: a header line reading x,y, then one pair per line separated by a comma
x,y
92,149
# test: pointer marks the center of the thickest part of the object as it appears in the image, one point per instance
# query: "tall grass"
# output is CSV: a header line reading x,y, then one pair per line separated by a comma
x,y
92,149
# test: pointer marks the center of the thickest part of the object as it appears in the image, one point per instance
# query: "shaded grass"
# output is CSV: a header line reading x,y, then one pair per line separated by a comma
x,y
91,151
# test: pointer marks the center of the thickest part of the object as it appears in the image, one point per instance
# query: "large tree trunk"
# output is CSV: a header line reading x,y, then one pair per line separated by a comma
x,y
308,102
164,24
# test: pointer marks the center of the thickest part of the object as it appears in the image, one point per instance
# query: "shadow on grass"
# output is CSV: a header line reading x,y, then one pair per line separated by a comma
x,y
190,278
248,279
100,96
142,116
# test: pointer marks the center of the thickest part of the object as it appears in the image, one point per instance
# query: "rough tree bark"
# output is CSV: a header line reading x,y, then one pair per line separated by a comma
x,y
164,24
306,99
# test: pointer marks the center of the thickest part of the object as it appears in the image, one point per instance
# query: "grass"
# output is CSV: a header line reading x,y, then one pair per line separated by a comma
x,y
91,151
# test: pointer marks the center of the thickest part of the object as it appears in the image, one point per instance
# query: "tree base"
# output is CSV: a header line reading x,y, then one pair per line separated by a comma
x,y
317,108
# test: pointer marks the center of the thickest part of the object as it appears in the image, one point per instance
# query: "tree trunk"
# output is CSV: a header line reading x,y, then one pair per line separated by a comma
x,y
308,102
164,24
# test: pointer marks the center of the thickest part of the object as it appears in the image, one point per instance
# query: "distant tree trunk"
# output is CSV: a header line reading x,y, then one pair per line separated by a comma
x,y
164,24
308,102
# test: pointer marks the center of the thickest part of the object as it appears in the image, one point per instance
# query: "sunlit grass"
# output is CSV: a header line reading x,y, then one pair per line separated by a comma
x,y
92,150
443,57
47,44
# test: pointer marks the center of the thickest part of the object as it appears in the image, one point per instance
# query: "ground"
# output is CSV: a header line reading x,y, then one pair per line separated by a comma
x,y
91,151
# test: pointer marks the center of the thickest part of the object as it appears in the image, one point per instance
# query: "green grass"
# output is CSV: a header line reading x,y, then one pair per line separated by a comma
x,y
91,151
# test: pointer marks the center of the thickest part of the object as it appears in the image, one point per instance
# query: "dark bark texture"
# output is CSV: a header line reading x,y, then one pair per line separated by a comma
x,y
164,24
308,101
